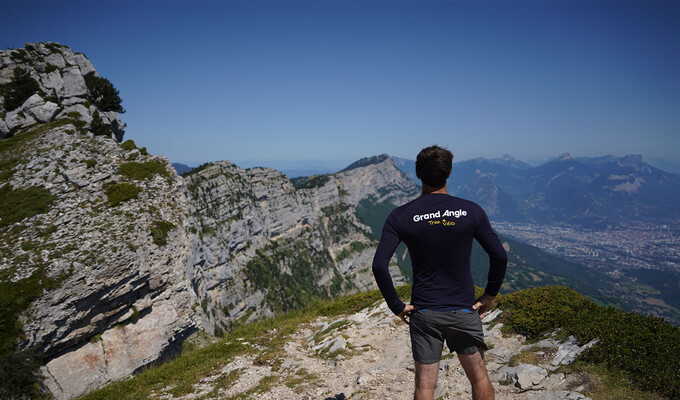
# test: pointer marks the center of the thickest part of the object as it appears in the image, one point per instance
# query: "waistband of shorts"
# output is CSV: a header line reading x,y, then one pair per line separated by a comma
x,y
445,309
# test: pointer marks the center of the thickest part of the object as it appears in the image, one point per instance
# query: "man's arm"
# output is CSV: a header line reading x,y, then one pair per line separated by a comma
x,y
498,261
389,240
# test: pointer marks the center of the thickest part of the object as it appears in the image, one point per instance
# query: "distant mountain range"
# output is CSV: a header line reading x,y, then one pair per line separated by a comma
x,y
588,192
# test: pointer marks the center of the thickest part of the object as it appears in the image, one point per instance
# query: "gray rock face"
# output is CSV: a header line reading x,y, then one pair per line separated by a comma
x,y
60,76
124,301
248,216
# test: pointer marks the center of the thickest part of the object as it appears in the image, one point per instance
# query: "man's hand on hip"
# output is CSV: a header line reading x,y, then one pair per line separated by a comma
x,y
404,315
483,304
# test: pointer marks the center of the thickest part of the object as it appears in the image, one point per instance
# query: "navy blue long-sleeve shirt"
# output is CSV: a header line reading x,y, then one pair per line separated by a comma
x,y
438,230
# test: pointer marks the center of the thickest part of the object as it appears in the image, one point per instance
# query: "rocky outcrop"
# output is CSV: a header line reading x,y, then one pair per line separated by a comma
x,y
122,300
367,356
59,89
256,228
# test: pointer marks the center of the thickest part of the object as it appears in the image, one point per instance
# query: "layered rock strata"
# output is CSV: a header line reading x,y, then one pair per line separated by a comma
x,y
123,300
259,235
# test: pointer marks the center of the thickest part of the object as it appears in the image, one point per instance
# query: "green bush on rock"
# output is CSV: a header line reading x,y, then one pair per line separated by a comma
x,y
19,89
145,170
17,204
119,192
645,347
102,93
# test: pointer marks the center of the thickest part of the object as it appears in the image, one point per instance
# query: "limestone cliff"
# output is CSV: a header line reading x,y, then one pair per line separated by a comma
x,y
264,244
99,227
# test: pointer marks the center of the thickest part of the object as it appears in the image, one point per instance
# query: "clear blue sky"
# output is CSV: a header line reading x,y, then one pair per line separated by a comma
x,y
335,81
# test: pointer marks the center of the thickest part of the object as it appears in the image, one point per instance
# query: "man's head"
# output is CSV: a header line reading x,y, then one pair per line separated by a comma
x,y
433,166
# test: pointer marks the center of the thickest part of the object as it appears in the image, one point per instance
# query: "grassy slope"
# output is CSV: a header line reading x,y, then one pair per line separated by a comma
x,y
607,370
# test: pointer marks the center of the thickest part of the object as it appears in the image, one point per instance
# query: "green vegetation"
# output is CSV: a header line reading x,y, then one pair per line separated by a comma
x,y
309,182
98,127
19,89
267,339
145,170
19,369
288,291
90,163
159,232
19,55
128,145
17,204
50,68
645,347
354,247
102,93
119,192
197,169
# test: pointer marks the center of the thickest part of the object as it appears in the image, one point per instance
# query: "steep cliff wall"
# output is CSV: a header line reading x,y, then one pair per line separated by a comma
x,y
264,244
95,232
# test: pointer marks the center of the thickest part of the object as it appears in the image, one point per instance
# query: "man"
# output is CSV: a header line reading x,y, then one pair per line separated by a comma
x,y
438,230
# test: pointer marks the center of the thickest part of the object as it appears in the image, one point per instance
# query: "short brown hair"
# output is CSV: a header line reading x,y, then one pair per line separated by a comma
x,y
433,166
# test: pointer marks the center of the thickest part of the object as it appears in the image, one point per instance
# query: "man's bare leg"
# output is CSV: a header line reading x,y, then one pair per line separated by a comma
x,y
426,380
475,369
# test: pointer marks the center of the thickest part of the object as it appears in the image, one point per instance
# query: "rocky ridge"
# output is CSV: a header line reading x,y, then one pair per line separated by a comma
x,y
257,228
60,78
106,225
367,355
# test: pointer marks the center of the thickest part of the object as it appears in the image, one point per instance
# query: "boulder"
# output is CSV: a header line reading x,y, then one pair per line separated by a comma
x,y
16,120
33,101
56,59
569,350
53,80
74,83
4,129
45,112
84,64
526,376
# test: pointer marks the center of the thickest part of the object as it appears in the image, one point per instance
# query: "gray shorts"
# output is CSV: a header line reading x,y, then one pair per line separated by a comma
x,y
462,330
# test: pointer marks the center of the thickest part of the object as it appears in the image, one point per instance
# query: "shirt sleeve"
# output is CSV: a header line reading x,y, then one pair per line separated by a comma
x,y
498,259
389,240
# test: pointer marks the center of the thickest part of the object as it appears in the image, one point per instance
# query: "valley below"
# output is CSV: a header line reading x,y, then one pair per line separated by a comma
x,y
640,264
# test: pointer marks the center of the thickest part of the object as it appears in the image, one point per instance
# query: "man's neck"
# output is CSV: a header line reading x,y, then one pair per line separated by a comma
x,y
430,190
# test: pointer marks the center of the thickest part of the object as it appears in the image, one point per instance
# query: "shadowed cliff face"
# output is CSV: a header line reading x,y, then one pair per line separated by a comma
x,y
265,245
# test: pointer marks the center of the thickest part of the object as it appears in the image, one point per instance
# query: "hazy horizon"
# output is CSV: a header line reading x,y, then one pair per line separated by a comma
x,y
336,165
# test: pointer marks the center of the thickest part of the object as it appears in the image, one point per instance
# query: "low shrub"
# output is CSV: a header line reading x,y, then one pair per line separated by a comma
x,y
128,145
159,232
145,170
354,247
17,204
310,182
646,347
119,192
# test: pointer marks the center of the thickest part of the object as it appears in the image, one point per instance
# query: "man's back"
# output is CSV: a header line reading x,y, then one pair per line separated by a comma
x,y
438,230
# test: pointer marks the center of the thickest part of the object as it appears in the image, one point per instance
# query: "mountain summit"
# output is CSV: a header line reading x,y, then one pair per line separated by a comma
x,y
44,82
